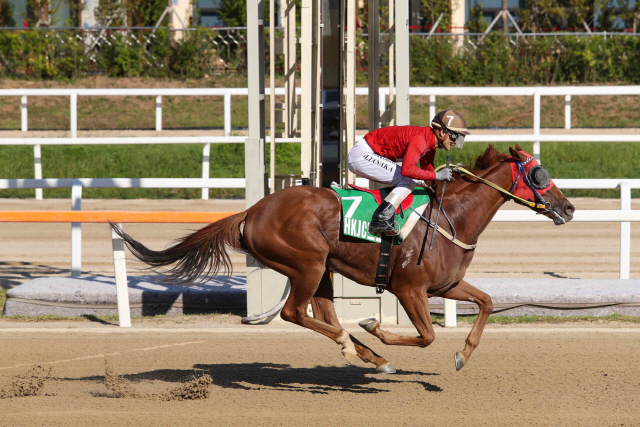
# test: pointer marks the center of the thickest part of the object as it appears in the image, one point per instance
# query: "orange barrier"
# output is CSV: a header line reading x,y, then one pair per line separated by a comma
x,y
113,216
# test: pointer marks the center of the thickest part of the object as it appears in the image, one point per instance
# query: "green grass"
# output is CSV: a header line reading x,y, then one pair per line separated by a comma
x,y
564,160
509,320
3,298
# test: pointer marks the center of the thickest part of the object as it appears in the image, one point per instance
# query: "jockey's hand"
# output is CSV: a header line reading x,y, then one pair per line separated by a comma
x,y
444,175
422,184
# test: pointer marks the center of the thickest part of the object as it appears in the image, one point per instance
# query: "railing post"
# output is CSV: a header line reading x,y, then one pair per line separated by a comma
x,y
206,151
432,107
227,114
76,232
450,313
37,165
158,113
120,273
23,113
382,106
74,115
536,125
625,232
567,112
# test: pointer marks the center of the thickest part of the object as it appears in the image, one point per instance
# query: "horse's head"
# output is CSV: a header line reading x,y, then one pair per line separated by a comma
x,y
532,182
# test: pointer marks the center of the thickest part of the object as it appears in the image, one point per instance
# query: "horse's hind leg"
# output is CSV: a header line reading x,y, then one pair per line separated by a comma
x,y
303,286
465,292
324,310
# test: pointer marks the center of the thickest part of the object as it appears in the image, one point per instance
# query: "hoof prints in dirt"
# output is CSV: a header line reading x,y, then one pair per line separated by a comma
x,y
29,384
198,388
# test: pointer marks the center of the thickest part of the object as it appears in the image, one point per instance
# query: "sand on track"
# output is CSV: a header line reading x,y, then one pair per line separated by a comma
x,y
569,376
528,250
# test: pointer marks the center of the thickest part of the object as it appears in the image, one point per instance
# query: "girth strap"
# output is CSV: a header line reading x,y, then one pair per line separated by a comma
x,y
448,236
382,272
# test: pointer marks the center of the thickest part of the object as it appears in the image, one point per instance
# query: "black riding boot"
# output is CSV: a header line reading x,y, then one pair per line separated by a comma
x,y
384,220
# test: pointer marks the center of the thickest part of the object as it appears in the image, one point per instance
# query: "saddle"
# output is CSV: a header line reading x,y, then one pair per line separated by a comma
x,y
358,204
382,194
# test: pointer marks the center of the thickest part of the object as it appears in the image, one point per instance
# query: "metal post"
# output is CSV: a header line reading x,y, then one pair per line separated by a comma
x,y
391,53
290,61
308,90
120,273
350,107
23,113
373,69
536,125
76,232
432,106
254,148
272,94
227,114
567,112
206,154
450,314
74,115
158,113
402,63
37,164
625,232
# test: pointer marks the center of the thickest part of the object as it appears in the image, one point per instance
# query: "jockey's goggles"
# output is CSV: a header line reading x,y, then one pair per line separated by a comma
x,y
455,137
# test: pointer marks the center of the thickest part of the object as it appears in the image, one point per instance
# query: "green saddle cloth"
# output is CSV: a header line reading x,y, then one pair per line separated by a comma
x,y
358,207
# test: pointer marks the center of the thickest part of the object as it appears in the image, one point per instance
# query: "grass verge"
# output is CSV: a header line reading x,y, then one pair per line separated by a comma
x,y
511,320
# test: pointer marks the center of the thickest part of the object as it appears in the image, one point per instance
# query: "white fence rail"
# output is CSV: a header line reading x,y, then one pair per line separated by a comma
x,y
227,93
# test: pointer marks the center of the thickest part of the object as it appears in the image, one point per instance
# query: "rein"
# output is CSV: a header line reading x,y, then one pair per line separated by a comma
x,y
534,205
544,205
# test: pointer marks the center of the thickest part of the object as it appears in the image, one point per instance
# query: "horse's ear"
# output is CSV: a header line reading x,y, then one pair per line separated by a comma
x,y
518,148
517,155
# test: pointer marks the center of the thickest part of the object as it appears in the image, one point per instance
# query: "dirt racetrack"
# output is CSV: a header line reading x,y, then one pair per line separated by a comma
x,y
528,250
585,375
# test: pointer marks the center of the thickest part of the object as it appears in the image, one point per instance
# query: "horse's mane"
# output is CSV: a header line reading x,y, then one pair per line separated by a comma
x,y
490,157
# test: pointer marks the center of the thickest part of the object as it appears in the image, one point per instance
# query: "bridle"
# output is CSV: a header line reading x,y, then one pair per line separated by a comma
x,y
544,205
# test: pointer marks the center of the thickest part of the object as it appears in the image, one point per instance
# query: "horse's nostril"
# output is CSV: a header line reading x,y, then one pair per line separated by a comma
x,y
569,210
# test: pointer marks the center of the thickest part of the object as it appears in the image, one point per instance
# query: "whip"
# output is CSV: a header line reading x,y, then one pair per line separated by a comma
x,y
435,228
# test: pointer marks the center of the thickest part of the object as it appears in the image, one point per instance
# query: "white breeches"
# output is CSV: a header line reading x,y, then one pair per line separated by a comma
x,y
364,162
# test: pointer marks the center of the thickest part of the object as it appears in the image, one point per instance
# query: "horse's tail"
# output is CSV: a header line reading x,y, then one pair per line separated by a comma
x,y
201,253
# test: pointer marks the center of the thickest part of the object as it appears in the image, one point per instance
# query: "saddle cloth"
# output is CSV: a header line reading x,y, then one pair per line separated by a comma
x,y
358,205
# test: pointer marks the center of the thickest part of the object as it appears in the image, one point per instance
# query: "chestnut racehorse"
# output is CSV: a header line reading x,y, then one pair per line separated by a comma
x,y
297,232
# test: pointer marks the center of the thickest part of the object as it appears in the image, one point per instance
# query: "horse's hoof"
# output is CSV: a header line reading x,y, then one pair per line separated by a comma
x,y
459,358
349,356
387,368
369,324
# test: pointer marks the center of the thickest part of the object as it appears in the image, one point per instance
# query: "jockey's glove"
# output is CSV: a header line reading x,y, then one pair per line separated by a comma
x,y
444,174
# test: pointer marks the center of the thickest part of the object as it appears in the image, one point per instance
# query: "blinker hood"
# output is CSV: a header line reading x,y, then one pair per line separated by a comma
x,y
539,177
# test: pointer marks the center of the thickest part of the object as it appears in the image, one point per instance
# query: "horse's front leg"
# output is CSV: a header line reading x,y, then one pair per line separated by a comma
x,y
415,302
324,310
463,291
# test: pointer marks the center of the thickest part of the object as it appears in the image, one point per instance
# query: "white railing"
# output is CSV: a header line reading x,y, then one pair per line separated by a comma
x,y
625,215
226,93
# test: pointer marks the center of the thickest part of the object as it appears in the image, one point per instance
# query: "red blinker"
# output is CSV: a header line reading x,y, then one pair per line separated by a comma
x,y
522,190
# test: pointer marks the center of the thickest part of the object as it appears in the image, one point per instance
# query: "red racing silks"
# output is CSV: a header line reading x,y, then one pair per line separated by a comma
x,y
522,190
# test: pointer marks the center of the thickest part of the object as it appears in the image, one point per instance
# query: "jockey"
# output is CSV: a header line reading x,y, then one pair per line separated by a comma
x,y
374,157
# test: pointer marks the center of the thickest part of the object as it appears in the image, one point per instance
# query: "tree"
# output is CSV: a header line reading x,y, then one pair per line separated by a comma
x,y
537,14
234,12
432,9
477,23
6,14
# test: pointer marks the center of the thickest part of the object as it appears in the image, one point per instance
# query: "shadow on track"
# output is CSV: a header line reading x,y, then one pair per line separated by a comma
x,y
319,379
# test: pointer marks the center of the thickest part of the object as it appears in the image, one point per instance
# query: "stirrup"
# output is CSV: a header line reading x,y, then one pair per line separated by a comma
x,y
388,230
